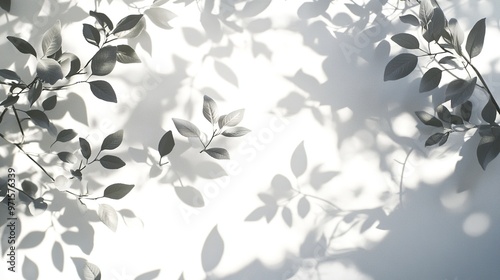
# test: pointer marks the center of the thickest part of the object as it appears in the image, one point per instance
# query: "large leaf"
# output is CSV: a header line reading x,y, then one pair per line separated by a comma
x,y
52,40
108,216
166,144
186,128
235,131
428,119
435,28
91,34
103,90
400,66
104,61
39,118
10,100
117,191
430,80
160,17
218,153
49,103
9,75
22,46
487,150
212,251
85,148
489,112
70,64
102,19
210,109
406,40
112,141
49,70
475,40
91,272
460,90
126,54
232,119
190,196
298,162
111,162
29,188
127,23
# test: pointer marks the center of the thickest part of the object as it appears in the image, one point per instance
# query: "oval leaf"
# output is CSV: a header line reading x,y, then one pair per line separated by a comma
x,y
10,100
112,141
111,162
91,34
410,19
67,157
102,19
298,162
286,214
85,148
126,54
235,131
91,272
475,40
50,103
489,112
434,139
186,128
9,75
457,35
70,64
407,41
166,144
104,61
21,45
127,23
232,119
466,110
210,111
103,90
49,70
39,118
66,135
430,80
160,17
303,207
108,216
400,66
226,73
52,40
487,150
190,196
218,153
212,251
459,91
29,188
117,191
428,119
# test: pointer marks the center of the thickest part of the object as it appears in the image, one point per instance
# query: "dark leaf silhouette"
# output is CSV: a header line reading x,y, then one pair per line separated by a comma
x,y
436,138
102,19
117,191
39,118
10,100
112,141
430,80
9,75
103,90
91,34
71,63
127,23
37,206
104,61
428,119
65,135
406,40
489,112
190,196
111,162
460,90
213,250
166,144
218,153
475,40
466,110
400,66
22,45
487,150
410,19
85,148
29,188
50,103
298,162
126,54
5,4
67,157
49,70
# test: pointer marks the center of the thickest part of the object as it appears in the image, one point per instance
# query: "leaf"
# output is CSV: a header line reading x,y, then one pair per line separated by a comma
x,y
52,40
49,70
65,136
104,61
425,12
126,54
85,148
30,269
450,60
10,100
31,240
211,25
73,61
431,79
102,19
218,153
428,119
434,139
459,91
212,250
111,162
29,188
77,174
37,206
303,207
186,128
190,196
91,34
226,73
108,216
58,256
475,40
127,23
443,113
210,109
286,214
256,214
91,272
410,19
436,26
103,90
112,141
489,112
5,4
135,32
9,75
231,119
457,35
117,191
298,161
407,41
400,66
67,157
50,103
39,118
254,7
166,144
22,45
160,17
235,131
487,150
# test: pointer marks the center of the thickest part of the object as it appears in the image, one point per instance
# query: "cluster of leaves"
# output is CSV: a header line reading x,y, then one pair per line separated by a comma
x,y
444,40
225,125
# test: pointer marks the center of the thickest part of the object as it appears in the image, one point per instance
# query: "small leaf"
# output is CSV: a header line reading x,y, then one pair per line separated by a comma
x,y
37,206
298,161
103,90
487,150
232,119
212,251
65,136
457,35
303,207
410,19
210,111
108,216
253,8
226,73
67,157
475,40
52,40
58,256
111,162
102,19
127,23
49,70
428,119
286,214
430,80
211,25
160,17
186,128
117,191
450,60
166,144
407,41
435,28
112,141
443,113
9,75
32,240
39,118
400,66
10,100
434,139
466,110
85,148
104,61
91,34
190,196
218,153
29,188
256,214
22,46
50,103
70,64
126,54
444,139
91,272
456,120
77,174
425,12
235,131
459,91
489,112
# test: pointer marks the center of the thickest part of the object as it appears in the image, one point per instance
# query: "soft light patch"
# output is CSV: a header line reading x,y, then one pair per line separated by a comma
x,y
476,224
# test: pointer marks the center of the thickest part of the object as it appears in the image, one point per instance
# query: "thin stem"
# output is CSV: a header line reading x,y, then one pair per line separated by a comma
x,y
402,176
64,86
18,122
25,193
32,159
478,74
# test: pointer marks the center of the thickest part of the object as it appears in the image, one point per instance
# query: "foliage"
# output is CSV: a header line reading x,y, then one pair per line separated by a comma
x,y
441,43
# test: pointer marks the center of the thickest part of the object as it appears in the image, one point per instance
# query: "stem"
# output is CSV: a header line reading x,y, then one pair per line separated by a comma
x,y
402,176
18,122
485,86
32,159
22,191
